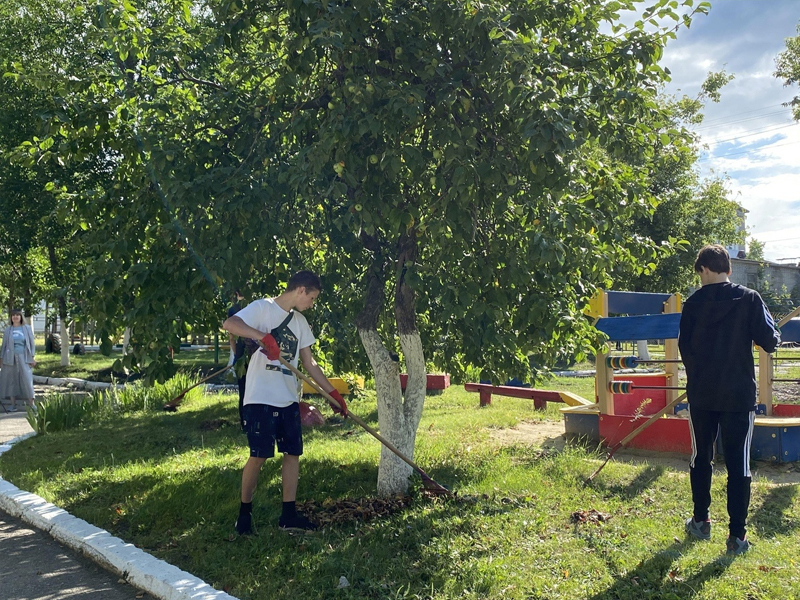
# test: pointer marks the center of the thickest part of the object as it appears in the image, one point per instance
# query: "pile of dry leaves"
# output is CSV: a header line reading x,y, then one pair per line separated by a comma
x,y
589,516
343,511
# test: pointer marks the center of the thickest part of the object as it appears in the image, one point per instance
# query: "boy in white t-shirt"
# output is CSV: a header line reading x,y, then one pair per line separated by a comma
x,y
271,411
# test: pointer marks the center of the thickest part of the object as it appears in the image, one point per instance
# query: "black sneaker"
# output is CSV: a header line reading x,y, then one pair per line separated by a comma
x,y
700,530
244,524
736,546
296,523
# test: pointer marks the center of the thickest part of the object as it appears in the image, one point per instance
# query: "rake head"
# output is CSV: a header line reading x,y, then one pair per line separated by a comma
x,y
172,405
434,487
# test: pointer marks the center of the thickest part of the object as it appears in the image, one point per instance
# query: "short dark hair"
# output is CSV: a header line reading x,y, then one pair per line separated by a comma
x,y
16,311
305,279
714,257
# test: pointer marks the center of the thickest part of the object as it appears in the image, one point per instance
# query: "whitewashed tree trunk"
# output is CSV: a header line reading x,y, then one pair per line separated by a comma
x,y
126,339
641,350
65,342
398,415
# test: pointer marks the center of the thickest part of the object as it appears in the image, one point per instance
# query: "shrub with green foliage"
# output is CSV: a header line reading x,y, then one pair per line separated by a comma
x,y
139,396
58,412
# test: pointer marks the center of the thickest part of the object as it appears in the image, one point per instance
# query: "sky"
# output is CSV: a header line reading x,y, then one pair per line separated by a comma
x,y
751,137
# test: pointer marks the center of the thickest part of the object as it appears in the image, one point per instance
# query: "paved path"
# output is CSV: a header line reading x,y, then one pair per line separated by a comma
x,y
13,425
33,566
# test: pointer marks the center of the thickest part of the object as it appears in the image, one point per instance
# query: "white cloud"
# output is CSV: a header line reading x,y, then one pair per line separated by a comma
x,y
750,135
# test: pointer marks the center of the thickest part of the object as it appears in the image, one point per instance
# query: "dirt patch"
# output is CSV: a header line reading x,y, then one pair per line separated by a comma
x,y
547,434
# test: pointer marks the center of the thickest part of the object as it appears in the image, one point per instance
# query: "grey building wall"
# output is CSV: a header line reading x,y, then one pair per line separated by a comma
x,y
781,278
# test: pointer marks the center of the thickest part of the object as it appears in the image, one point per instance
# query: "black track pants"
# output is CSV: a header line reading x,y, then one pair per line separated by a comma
x,y
736,429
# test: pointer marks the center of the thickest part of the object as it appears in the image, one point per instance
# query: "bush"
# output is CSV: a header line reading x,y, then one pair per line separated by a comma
x,y
57,412
137,396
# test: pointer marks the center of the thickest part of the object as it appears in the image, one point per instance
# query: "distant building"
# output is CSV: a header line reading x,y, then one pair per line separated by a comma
x,y
780,278
739,250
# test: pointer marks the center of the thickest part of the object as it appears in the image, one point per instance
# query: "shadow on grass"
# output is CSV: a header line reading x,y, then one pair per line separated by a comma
x,y
774,516
656,577
644,479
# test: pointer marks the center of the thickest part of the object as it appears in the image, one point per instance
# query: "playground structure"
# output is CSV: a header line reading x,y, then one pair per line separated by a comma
x,y
624,401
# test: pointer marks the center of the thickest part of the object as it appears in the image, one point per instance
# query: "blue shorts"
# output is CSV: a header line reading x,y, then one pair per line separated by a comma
x,y
265,425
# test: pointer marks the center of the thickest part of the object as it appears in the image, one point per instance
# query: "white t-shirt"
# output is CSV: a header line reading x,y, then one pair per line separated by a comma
x,y
268,381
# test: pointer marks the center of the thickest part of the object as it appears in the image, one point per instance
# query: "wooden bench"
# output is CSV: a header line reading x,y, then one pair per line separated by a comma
x,y
433,382
540,397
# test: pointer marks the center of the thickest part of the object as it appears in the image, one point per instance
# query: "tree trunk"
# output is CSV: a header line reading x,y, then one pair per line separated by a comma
x,y
641,350
61,302
126,340
398,414
64,330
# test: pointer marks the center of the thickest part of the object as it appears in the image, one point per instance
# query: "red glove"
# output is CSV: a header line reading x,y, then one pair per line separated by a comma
x,y
342,408
270,347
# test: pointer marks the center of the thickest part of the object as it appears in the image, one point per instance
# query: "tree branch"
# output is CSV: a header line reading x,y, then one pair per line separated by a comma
x,y
187,77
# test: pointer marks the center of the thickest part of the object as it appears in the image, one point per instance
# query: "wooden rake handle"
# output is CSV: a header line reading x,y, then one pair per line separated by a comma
x,y
789,317
624,441
355,418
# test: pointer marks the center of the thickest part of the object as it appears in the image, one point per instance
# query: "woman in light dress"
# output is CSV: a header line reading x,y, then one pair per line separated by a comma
x,y
17,359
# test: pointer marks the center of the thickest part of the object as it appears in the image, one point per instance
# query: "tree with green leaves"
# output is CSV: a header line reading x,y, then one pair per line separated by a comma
x,y
456,171
690,212
755,250
23,202
788,68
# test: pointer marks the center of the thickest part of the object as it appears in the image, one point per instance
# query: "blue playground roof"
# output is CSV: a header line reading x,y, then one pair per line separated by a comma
x,y
644,327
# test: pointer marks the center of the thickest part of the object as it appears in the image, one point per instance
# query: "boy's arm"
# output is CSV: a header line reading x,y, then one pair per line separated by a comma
x,y
684,333
765,333
312,368
238,327
318,376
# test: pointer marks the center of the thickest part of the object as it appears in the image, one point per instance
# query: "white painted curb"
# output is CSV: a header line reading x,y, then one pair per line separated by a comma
x,y
80,384
83,384
154,576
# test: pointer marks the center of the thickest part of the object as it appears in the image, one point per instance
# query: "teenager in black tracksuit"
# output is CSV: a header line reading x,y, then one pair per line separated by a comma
x,y
719,324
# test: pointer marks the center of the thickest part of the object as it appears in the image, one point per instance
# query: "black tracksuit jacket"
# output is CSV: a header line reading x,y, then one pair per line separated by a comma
x,y
719,324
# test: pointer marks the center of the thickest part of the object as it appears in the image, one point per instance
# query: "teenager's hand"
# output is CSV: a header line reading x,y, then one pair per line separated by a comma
x,y
342,408
270,347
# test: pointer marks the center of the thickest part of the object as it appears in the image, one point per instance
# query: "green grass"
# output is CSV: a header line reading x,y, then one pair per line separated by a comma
x,y
97,367
170,484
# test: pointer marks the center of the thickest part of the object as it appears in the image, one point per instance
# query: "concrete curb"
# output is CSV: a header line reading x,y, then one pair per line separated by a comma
x,y
83,384
72,381
154,576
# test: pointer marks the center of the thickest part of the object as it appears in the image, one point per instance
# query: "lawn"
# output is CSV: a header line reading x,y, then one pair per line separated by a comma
x,y
98,367
169,483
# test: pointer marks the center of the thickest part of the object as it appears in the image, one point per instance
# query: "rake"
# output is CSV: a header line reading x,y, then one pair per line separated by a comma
x,y
626,440
427,481
173,404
